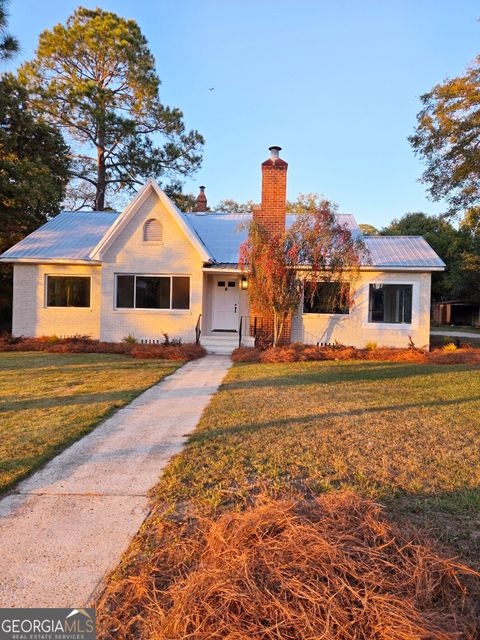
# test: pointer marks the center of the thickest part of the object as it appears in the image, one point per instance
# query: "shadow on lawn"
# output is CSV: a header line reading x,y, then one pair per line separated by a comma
x,y
15,360
306,420
334,374
24,404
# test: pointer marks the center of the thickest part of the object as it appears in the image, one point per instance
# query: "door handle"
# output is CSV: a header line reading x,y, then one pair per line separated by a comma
x,y
235,308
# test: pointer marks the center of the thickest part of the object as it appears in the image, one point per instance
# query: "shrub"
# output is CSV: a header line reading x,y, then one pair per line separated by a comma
x,y
167,341
130,339
371,346
49,339
246,354
171,352
450,346
7,338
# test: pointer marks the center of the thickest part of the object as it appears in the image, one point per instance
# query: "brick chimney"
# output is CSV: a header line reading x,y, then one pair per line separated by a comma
x,y
201,204
272,211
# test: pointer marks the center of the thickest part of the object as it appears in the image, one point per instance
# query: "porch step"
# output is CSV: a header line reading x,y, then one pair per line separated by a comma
x,y
221,344
224,344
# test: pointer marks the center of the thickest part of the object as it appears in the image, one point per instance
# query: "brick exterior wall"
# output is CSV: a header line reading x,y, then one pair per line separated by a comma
x,y
31,316
271,216
273,209
130,254
201,202
355,329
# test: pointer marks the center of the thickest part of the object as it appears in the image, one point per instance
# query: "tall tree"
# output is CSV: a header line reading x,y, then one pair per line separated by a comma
x,y
368,229
8,44
284,267
447,137
34,170
228,205
446,240
467,281
305,203
95,78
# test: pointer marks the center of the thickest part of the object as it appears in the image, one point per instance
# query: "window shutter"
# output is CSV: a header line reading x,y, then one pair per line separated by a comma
x,y
152,231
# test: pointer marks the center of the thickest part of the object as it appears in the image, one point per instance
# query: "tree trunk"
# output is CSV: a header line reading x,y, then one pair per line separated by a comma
x,y
278,324
101,173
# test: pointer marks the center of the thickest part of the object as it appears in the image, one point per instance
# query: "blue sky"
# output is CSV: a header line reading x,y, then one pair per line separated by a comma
x,y
335,83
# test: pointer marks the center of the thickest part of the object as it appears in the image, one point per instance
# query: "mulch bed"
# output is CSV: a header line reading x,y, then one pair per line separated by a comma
x,y
333,567
298,352
83,344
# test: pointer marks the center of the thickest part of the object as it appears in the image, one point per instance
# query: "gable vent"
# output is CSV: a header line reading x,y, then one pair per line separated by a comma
x,y
152,231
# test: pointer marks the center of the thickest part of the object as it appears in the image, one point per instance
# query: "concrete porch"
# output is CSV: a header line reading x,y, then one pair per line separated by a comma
x,y
225,311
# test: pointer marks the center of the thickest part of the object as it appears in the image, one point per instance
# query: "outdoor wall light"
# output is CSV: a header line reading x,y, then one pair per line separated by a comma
x,y
244,283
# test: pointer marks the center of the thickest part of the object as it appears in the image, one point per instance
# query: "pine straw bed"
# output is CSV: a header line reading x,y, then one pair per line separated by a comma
x,y
299,352
84,344
331,568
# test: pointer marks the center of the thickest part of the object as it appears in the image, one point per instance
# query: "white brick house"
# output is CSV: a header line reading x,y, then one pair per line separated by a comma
x,y
152,269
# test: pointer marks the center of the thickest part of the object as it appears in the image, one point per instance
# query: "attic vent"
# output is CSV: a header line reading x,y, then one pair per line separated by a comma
x,y
152,231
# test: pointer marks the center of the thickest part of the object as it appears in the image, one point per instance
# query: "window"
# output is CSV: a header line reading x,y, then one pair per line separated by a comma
x,y
68,291
327,298
153,292
153,231
390,303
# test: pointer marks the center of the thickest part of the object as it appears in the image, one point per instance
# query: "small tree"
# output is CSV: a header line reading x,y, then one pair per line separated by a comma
x,y
284,267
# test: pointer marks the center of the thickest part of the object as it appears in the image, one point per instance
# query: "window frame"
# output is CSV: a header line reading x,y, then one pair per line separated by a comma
x,y
135,309
65,275
324,313
398,326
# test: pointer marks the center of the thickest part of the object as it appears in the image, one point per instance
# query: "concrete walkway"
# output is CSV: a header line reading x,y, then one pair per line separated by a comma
x,y
456,334
65,527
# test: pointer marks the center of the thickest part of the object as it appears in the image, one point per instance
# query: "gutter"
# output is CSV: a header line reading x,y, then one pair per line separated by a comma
x,y
93,263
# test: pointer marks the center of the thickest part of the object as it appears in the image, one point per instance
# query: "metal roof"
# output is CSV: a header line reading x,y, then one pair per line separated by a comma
x,y
223,233
402,252
71,235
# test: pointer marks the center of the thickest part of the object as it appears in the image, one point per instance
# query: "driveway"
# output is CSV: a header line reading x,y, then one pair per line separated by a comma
x,y
65,527
456,334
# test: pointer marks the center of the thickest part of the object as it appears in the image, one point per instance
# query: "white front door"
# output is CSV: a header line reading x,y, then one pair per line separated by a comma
x,y
225,304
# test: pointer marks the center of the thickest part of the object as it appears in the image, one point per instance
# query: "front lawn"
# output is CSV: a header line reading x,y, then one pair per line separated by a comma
x,y
406,434
48,401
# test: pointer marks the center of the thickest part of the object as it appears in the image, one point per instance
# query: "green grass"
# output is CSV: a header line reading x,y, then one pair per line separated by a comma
x,y
48,401
405,434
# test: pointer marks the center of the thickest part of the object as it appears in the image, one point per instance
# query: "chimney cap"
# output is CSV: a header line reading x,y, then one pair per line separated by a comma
x,y
202,187
274,160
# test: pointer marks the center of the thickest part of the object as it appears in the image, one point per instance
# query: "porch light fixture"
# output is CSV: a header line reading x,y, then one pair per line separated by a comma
x,y
244,283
